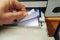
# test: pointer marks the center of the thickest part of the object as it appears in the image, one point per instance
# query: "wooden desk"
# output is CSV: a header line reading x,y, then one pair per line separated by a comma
x,y
52,24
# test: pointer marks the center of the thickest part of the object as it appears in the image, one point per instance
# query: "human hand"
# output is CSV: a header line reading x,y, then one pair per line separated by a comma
x,y
7,7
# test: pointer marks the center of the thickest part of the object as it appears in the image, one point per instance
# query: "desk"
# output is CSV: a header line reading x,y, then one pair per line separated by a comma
x,y
52,24
24,33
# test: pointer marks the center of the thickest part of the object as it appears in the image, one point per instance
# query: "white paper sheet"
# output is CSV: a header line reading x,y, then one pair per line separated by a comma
x,y
31,14
31,20
29,23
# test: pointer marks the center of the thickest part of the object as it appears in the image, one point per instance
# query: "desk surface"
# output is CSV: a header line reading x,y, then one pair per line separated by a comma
x,y
21,33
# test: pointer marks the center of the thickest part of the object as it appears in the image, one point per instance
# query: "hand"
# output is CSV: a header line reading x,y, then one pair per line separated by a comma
x,y
7,7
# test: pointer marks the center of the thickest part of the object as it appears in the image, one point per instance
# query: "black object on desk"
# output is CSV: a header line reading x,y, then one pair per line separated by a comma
x,y
57,33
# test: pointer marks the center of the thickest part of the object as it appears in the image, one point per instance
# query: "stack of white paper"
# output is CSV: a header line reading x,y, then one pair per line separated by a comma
x,y
31,20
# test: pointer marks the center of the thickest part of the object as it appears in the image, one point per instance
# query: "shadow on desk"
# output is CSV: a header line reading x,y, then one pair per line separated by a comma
x,y
5,26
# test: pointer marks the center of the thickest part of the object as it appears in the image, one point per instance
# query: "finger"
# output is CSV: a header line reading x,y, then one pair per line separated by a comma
x,y
20,15
10,17
19,6
13,15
